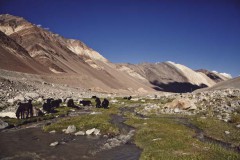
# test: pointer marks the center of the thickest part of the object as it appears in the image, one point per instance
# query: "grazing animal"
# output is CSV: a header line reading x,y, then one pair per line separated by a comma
x,y
56,103
128,98
105,103
24,108
98,102
94,97
70,103
85,102
20,111
47,106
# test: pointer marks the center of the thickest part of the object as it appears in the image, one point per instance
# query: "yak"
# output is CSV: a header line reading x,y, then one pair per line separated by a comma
x,y
24,108
85,102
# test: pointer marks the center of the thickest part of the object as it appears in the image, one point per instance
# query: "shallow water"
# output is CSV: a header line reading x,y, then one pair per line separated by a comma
x,y
32,143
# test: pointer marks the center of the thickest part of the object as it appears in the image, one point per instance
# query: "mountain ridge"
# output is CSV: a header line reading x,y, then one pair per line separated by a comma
x,y
59,55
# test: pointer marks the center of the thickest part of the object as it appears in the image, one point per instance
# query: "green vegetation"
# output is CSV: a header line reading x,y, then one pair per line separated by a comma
x,y
63,110
85,122
19,122
215,128
166,139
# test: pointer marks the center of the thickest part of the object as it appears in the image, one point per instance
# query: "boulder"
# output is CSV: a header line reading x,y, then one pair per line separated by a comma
x,y
32,95
19,97
96,132
238,126
53,131
3,124
54,144
79,133
71,129
181,103
90,131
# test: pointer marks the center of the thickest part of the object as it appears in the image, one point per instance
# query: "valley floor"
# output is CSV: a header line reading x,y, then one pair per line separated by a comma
x,y
141,128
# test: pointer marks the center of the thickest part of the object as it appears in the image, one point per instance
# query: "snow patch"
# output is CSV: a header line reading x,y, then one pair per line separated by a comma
x,y
227,75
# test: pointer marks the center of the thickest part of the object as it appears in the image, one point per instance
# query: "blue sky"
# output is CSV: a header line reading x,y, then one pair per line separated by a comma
x,y
196,33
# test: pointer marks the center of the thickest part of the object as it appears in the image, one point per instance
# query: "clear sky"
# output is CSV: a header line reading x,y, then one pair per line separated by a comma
x,y
196,33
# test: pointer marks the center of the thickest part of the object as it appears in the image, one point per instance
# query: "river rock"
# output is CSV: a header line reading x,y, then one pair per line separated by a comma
x,y
54,144
90,131
53,131
79,133
96,132
71,129
3,124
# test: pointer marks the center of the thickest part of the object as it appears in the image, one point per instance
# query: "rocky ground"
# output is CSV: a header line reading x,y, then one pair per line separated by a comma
x,y
201,125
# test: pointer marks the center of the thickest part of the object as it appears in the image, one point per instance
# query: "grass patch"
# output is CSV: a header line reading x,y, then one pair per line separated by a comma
x,y
63,110
18,122
165,139
216,129
85,122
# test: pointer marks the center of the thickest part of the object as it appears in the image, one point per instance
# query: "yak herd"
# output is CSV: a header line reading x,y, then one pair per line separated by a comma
x,y
25,110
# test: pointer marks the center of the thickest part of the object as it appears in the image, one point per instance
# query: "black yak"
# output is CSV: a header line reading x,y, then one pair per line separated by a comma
x,y
85,102
128,98
56,103
47,106
105,103
24,108
98,102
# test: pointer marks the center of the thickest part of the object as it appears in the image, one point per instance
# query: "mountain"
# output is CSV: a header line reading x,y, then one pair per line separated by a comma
x,y
215,76
169,76
231,83
25,47
68,61
15,57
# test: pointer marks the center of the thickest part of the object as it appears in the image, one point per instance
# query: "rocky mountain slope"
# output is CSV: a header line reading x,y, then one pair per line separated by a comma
x,y
169,76
228,84
69,61
215,76
15,57
25,47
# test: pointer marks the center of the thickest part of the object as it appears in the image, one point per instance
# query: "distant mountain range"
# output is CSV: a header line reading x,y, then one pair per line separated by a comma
x,y
28,48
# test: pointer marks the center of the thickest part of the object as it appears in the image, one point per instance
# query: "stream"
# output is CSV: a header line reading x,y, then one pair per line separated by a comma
x,y
30,142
